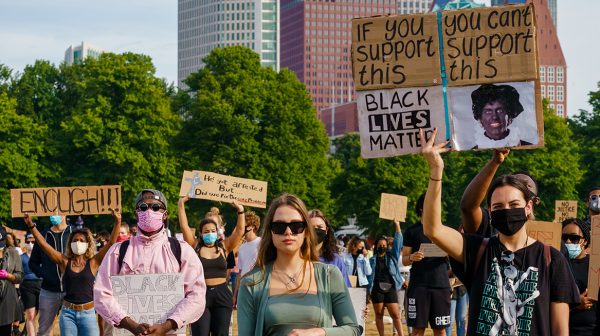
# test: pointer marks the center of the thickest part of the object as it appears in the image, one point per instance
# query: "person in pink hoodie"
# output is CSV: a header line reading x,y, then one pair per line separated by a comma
x,y
151,252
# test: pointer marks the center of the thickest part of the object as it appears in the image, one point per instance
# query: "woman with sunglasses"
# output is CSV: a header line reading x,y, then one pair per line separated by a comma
x,y
212,253
576,236
327,248
289,292
516,284
78,267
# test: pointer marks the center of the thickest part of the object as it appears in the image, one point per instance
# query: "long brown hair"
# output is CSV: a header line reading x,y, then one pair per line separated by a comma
x,y
329,247
91,250
267,253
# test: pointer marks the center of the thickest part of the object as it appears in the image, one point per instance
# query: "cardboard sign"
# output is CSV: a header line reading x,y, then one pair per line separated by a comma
x,y
389,120
594,270
489,45
564,210
395,51
65,201
217,187
546,232
486,56
359,302
393,207
148,298
432,250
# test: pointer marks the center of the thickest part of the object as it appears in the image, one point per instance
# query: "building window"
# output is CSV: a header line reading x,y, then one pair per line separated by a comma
x,y
544,91
551,106
560,93
550,74
560,110
559,74
542,74
551,92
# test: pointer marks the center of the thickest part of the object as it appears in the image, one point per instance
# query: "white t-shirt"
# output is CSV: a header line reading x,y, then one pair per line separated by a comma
x,y
247,255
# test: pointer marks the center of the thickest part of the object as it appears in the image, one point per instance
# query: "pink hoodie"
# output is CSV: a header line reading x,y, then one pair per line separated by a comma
x,y
152,255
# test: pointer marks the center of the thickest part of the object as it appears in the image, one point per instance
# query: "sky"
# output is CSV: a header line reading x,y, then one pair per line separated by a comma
x,y
41,29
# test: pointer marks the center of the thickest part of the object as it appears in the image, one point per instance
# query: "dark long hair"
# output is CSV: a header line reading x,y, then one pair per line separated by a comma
x,y
329,247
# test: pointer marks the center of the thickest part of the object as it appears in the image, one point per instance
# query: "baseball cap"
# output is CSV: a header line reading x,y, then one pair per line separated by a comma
x,y
157,195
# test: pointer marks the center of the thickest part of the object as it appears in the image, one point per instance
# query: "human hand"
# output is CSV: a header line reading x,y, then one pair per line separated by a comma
x,y
431,151
133,327
307,332
160,329
500,155
237,206
28,221
586,301
365,253
183,199
416,257
116,215
366,312
3,274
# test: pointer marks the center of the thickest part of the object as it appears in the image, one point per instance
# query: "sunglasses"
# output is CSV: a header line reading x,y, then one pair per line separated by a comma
x,y
280,227
154,206
594,197
574,238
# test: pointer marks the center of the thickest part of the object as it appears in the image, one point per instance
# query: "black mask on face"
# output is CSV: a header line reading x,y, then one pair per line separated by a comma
x,y
359,251
509,221
321,235
381,249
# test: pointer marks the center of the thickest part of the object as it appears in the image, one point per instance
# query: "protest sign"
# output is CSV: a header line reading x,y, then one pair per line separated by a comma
x,y
389,120
432,250
64,201
594,268
395,51
359,302
217,187
564,210
393,207
148,298
478,47
546,232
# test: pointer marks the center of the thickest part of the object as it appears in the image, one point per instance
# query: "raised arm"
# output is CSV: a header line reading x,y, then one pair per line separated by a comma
x,y
97,260
188,235
443,236
475,192
56,257
398,240
232,242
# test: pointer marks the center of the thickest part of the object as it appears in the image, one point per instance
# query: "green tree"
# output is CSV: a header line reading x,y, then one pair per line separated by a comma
x,y
21,147
586,129
118,128
249,121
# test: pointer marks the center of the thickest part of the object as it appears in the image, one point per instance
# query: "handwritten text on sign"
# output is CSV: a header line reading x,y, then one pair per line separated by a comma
x,y
564,210
389,120
217,187
487,45
546,232
148,298
90,200
594,271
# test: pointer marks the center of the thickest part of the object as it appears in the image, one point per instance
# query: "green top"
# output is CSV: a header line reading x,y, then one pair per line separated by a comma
x,y
279,321
332,294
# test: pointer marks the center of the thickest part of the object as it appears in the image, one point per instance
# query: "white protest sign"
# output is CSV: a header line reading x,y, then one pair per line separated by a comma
x,y
432,250
359,302
148,298
389,119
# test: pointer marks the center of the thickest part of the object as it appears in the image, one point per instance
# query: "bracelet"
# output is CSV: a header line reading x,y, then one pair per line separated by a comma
x,y
241,212
33,226
431,178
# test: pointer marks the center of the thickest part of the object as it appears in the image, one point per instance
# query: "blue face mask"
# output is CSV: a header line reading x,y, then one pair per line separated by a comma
x,y
574,250
209,238
55,220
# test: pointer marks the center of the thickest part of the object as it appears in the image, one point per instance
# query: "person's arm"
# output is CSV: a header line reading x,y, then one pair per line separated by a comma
x,y
408,257
232,242
247,309
55,256
342,266
343,310
443,236
367,265
475,192
238,279
188,235
15,275
97,260
559,318
398,240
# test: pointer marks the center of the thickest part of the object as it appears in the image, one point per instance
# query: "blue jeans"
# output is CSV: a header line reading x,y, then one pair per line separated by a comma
x,y
78,323
458,307
50,303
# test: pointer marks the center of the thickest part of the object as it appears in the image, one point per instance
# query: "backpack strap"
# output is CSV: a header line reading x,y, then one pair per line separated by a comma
x,y
173,242
480,252
547,255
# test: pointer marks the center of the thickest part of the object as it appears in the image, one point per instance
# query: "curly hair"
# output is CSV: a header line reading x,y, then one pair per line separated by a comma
x,y
489,93
214,212
329,247
91,250
252,219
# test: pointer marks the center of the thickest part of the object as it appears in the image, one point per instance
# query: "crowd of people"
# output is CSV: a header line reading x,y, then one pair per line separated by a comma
x,y
289,275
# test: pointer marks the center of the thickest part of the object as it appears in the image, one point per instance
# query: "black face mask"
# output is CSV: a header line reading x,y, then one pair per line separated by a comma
x,y
509,221
321,235
381,249
359,251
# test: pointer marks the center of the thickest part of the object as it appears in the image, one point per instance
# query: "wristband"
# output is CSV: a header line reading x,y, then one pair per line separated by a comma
x,y
33,226
431,178
241,212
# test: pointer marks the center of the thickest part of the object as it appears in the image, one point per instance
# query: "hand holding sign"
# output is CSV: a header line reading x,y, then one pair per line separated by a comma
x,y
217,187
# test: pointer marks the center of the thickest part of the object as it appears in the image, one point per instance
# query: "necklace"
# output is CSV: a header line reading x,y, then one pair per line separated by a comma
x,y
292,280
508,257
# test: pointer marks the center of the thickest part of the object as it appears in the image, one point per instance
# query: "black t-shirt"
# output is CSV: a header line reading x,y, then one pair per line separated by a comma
x,y
582,321
535,287
354,268
382,273
429,272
